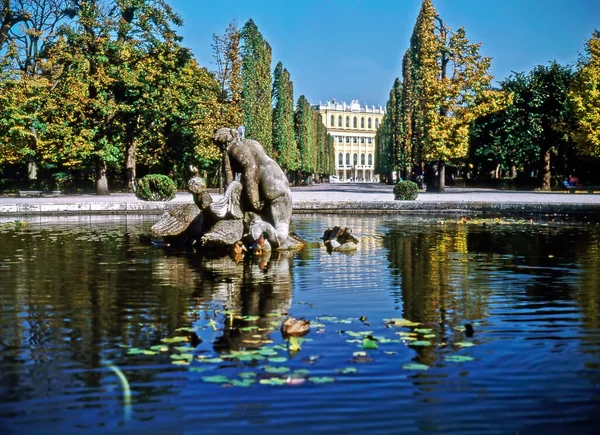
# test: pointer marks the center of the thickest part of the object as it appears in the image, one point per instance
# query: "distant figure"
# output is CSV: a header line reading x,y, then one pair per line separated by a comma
x,y
242,132
573,180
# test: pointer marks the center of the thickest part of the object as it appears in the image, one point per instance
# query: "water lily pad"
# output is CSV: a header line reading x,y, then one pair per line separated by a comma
x,y
276,370
415,366
348,370
248,328
181,362
160,348
354,340
358,333
420,343
459,328
183,349
134,351
359,354
321,379
369,344
402,322
278,359
300,372
148,352
217,379
423,330
250,318
198,369
179,339
429,336
273,381
458,358
211,360
185,329
464,344
267,351
246,375
242,383
182,356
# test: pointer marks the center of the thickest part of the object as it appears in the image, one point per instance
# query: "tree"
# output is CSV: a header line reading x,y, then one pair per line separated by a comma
x,y
284,141
256,90
228,58
585,99
305,135
450,88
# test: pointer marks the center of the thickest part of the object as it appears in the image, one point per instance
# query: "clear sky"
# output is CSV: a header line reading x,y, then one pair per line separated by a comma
x,y
352,49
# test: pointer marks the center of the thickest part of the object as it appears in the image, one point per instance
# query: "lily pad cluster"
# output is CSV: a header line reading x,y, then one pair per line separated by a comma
x,y
266,359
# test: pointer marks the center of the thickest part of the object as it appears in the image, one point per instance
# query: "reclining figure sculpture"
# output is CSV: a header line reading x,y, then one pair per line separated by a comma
x,y
259,204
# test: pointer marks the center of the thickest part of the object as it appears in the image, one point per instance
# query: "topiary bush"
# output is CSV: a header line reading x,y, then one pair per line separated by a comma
x,y
155,187
406,191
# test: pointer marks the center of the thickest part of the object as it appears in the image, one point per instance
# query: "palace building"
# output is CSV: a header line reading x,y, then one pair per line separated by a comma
x,y
353,129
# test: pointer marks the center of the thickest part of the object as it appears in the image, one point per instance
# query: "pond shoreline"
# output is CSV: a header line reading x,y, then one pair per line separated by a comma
x,y
330,198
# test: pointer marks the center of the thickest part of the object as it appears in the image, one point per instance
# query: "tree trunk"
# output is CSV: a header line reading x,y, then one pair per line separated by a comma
x,y
101,179
513,171
546,175
130,161
435,174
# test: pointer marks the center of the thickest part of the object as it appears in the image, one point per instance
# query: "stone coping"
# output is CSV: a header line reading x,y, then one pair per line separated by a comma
x,y
17,209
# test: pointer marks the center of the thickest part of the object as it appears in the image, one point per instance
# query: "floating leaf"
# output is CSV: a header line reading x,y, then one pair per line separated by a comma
x,y
354,340
242,383
359,354
217,379
160,348
414,366
459,328
185,328
250,318
464,344
198,369
182,356
348,370
276,370
420,343
273,381
246,375
402,322
321,379
369,343
358,333
210,360
181,362
300,372
179,339
458,358
183,349
423,330
248,328
148,352
278,359
429,336
267,351
134,351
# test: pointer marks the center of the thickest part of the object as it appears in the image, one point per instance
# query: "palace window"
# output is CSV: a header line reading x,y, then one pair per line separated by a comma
x,y
362,140
362,159
355,122
341,159
369,123
362,123
347,139
347,122
340,121
355,158
370,159
376,123
355,139
332,121
347,159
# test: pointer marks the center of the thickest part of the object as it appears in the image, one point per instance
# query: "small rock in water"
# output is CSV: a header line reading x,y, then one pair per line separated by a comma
x,y
469,331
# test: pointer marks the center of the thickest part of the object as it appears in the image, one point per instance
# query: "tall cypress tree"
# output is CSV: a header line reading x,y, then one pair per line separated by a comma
x,y
283,118
305,135
256,90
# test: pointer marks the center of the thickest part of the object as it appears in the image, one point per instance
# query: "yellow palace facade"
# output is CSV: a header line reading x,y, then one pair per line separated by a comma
x,y
353,130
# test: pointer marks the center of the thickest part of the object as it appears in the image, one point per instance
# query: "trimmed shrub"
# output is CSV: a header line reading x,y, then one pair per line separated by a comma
x,y
155,187
406,191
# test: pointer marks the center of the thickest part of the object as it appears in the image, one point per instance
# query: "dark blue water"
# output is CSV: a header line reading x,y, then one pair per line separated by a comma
x,y
197,339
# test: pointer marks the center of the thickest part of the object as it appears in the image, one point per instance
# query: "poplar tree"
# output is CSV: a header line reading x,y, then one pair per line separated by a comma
x,y
449,88
305,135
585,99
283,118
256,89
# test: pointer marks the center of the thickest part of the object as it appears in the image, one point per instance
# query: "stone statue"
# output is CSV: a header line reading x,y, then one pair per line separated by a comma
x,y
254,211
266,188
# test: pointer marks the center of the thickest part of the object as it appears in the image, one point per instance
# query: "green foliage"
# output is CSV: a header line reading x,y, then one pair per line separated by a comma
x,y
284,141
256,90
406,191
585,100
304,123
155,187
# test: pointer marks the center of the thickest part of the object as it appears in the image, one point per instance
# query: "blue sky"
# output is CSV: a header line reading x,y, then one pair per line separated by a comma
x,y
352,49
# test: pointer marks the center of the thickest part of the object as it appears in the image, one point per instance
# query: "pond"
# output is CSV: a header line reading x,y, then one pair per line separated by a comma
x,y
102,332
